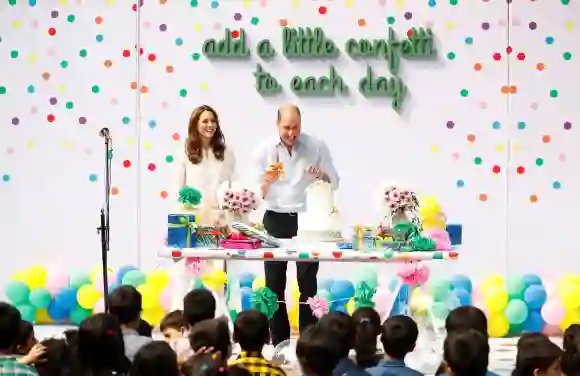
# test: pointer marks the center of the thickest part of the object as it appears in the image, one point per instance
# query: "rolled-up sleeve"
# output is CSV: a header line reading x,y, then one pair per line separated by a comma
x,y
327,165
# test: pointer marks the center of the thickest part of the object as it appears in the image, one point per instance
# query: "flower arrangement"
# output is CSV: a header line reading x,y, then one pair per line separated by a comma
x,y
239,201
402,204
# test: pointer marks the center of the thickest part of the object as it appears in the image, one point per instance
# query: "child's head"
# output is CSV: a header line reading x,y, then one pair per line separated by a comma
x,y
213,333
571,357
57,359
251,330
144,329
174,325
538,357
125,305
26,339
10,320
367,324
462,318
198,305
399,336
341,326
466,353
317,351
154,359
530,338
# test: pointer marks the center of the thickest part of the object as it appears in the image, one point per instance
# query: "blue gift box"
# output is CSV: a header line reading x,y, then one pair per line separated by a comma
x,y
455,232
181,231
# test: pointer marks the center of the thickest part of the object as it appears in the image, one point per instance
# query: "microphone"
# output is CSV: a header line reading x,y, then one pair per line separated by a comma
x,y
104,133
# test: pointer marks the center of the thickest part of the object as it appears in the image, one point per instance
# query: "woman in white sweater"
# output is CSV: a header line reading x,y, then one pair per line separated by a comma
x,y
206,164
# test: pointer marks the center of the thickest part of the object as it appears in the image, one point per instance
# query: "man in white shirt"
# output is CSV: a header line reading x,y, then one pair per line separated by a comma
x,y
305,159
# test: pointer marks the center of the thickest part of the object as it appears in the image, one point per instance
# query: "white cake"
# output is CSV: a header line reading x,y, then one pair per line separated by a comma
x,y
321,222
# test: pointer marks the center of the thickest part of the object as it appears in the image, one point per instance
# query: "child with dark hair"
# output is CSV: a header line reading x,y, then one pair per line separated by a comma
x,y
571,356
125,305
155,359
466,353
212,334
10,328
367,328
198,305
26,339
318,351
399,336
100,349
144,329
341,326
57,360
175,329
252,332
538,357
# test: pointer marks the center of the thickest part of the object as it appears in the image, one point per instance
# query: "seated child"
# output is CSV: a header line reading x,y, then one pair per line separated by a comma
x,y
57,358
175,329
463,318
341,326
537,357
210,342
571,357
252,332
399,336
144,329
26,339
466,353
368,327
154,359
317,352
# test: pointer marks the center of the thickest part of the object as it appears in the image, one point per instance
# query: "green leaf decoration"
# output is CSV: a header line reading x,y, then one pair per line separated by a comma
x,y
189,196
421,243
363,296
265,301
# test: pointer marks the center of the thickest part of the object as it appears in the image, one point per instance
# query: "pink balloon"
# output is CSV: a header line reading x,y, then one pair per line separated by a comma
x,y
441,238
165,299
383,300
56,280
553,312
99,306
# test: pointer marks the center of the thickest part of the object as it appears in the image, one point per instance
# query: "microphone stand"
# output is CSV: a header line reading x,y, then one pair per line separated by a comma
x,y
103,229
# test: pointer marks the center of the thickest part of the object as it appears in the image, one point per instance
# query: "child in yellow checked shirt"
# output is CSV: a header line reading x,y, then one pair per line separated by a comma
x,y
251,332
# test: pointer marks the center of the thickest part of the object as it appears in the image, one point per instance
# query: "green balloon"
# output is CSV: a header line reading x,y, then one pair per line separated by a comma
x,y
515,287
17,292
368,275
78,314
27,312
516,312
134,278
40,297
440,310
77,280
516,329
440,289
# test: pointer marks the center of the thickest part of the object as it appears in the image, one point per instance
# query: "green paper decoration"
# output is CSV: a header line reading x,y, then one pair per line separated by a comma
x,y
363,296
421,243
189,196
265,301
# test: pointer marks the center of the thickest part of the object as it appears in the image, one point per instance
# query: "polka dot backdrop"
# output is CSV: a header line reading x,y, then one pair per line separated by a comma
x,y
465,133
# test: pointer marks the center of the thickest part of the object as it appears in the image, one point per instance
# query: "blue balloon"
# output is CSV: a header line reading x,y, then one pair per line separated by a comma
x,y
325,284
338,307
246,279
535,296
534,322
56,313
463,296
246,297
460,281
531,280
393,284
342,289
66,299
124,270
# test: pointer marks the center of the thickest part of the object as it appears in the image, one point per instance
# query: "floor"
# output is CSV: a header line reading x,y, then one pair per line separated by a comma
x,y
425,358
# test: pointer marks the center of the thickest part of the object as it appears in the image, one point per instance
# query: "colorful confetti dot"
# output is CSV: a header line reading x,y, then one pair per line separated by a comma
x,y
451,55
546,138
93,178
533,199
169,158
549,40
520,170
464,93
553,93
114,191
496,169
163,194
477,160
567,125
468,40
322,10
390,20
556,185
482,197
471,138
6,178
567,56
450,124
151,166
521,125
460,183
539,162
496,125
126,163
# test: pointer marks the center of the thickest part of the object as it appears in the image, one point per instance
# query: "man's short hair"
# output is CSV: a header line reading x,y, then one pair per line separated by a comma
x,y
198,305
125,303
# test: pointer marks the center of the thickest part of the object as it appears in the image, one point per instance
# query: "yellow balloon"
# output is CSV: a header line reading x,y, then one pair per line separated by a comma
x,y
498,326
420,304
19,276
88,296
35,276
492,280
158,279
572,317
570,296
214,281
496,299
431,223
42,316
153,316
293,317
295,291
149,297
350,306
259,282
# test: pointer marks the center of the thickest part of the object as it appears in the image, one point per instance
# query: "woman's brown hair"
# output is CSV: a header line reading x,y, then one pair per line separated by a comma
x,y
193,147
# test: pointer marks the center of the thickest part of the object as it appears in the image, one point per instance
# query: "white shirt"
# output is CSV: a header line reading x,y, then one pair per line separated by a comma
x,y
207,175
288,195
